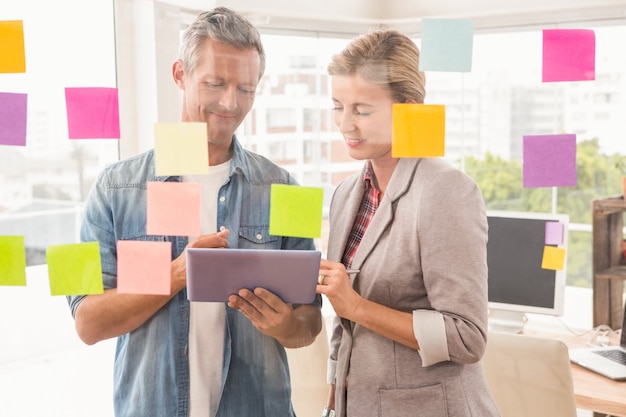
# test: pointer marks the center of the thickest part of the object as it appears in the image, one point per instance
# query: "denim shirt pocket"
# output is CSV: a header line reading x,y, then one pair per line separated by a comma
x,y
258,237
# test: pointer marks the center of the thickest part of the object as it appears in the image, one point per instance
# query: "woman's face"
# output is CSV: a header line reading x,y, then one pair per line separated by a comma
x,y
363,113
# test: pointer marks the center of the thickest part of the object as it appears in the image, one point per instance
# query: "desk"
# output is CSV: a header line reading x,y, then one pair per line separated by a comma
x,y
593,392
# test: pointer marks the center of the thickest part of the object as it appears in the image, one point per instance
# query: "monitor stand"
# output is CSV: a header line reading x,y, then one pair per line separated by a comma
x,y
507,321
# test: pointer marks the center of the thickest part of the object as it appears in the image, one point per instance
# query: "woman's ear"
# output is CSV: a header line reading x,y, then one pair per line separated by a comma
x,y
179,74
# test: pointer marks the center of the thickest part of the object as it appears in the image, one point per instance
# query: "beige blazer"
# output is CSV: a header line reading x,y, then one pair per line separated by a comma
x,y
424,251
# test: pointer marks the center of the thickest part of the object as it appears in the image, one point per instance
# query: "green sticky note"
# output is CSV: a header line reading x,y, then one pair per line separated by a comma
x,y
12,260
296,211
74,269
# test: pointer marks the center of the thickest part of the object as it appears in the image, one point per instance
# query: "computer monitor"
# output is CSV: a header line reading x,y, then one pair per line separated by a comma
x,y
518,284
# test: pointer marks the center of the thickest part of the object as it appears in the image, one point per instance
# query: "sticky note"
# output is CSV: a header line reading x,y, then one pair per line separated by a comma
x,y
13,119
181,149
418,130
12,46
549,161
296,211
74,269
553,258
173,208
12,260
554,233
92,113
447,45
144,267
569,55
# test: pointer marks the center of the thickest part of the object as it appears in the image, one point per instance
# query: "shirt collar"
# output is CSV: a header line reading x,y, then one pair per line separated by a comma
x,y
369,178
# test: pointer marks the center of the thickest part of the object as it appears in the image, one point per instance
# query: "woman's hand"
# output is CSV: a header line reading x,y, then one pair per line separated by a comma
x,y
336,284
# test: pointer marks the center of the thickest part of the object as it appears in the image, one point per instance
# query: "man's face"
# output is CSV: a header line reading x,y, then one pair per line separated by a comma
x,y
221,89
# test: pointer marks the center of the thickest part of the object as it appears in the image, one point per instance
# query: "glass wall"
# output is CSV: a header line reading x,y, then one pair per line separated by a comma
x,y
488,111
45,182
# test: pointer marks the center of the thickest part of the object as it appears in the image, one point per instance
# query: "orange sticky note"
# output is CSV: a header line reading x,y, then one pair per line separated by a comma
x,y
181,149
12,46
143,267
553,258
173,209
75,269
418,130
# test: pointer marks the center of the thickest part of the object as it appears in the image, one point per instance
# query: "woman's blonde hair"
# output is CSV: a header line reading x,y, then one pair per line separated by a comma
x,y
387,58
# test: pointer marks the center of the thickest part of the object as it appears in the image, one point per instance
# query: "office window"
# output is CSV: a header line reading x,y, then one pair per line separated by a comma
x,y
44,183
488,111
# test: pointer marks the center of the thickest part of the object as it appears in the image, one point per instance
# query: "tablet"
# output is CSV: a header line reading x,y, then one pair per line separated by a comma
x,y
215,273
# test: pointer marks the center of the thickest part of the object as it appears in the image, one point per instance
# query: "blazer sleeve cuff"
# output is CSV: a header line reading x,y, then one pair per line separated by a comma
x,y
430,332
331,371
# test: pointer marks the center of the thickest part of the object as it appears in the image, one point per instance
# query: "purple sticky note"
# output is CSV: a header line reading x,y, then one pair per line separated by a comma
x,y
92,113
13,119
554,233
549,161
569,55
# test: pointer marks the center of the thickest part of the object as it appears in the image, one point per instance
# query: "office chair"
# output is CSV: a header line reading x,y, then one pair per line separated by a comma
x,y
529,376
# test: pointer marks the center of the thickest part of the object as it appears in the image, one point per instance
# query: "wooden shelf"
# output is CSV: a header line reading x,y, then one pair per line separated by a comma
x,y
616,272
609,206
609,272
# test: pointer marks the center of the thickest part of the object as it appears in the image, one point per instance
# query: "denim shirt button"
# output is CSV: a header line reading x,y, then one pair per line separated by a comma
x,y
222,199
259,236
222,228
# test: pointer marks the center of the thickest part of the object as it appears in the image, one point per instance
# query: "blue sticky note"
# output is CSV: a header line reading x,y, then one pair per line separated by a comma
x,y
447,45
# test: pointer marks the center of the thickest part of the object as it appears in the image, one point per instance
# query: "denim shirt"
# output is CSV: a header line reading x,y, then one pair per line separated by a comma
x,y
151,371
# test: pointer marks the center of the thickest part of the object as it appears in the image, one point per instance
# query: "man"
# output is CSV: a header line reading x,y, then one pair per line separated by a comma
x,y
173,357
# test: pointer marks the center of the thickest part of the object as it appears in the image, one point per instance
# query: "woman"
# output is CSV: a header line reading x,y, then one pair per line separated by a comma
x,y
411,325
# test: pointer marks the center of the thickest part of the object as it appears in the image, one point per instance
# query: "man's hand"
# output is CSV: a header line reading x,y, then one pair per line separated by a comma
x,y
271,316
179,265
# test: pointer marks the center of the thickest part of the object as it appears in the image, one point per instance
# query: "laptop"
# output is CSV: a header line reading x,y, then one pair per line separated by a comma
x,y
214,274
609,361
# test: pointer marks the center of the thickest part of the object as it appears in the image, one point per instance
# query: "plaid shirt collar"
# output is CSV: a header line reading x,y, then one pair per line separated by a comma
x,y
369,205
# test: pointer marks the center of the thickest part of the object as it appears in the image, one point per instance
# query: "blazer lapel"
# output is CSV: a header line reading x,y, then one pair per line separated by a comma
x,y
344,209
398,185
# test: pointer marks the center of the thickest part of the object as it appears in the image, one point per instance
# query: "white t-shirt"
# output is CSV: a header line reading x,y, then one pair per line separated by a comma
x,y
207,320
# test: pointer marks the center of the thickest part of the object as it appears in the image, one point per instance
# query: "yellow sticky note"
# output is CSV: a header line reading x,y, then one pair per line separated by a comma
x,y
296,211
173,208
418,130
12,46
144,267
553,258
74,269
12,260
181,149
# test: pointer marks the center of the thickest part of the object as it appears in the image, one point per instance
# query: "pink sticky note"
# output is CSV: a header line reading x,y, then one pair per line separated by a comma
x,y
144,267
13,119
173,209
549,161
569,55
554,233
92,113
